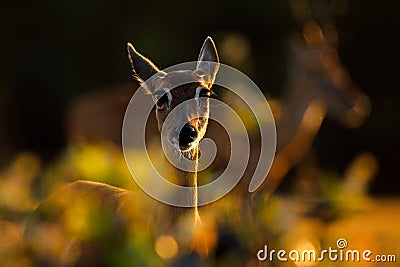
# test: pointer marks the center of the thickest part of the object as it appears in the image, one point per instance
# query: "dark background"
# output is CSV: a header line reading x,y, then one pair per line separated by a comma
x,y
54,51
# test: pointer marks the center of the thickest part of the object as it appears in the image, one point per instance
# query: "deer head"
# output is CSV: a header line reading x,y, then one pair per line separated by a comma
x,y
169,90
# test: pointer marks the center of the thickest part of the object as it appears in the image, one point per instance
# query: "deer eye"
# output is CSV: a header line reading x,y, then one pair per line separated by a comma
x,y
162,100
204,93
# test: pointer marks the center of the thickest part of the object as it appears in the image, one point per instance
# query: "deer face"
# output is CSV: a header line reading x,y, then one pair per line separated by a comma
x,y
169,90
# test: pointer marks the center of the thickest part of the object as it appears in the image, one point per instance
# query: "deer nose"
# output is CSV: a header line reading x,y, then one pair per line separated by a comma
x,y
187,135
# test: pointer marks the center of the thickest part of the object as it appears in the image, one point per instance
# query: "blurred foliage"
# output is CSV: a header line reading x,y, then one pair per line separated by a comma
x,y
314,216
57,50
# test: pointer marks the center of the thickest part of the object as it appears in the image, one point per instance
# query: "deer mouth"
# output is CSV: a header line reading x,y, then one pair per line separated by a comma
x,y
191,153
188,151
189,147
186,148
184,142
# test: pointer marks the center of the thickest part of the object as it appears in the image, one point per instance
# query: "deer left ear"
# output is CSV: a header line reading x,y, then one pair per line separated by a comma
x,y
142,67
208,62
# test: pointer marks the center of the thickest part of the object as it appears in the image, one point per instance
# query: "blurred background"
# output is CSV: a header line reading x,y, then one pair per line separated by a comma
x,y
63,60
54,52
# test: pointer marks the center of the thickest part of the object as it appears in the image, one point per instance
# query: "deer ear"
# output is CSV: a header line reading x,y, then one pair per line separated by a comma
x,y
208,62
142,67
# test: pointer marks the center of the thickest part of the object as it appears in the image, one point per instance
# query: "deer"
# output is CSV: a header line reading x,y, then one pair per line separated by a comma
x,y
57,231
195,120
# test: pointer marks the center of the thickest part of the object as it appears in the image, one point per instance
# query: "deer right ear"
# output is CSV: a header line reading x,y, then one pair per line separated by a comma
x,y
141,66
208,62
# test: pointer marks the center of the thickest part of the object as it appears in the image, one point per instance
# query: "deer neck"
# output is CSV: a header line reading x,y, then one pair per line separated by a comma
x,y
170,215
187,179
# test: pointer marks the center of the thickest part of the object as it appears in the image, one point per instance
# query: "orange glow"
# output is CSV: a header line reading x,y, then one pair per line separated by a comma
x,y
301,246
360,172
236,49
312,33
314,115
204,237
166,247
15,182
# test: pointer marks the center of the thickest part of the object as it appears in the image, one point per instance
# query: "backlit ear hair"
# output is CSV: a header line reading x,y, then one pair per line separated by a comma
x,y
208,62
142,67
